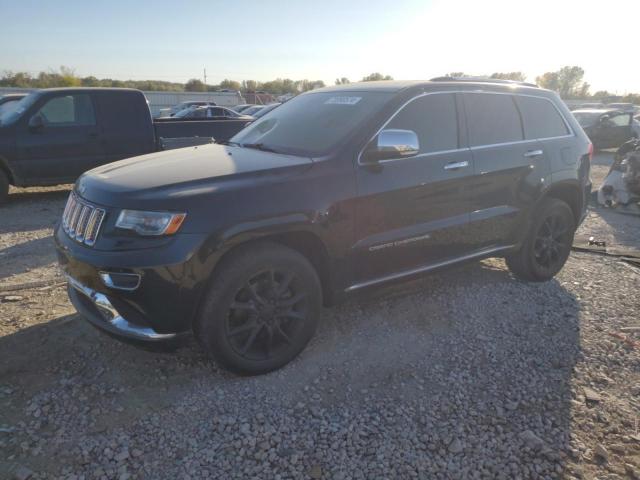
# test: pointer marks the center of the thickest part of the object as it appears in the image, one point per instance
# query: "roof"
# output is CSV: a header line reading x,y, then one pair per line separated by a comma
x,y
399,85
86,89
597,110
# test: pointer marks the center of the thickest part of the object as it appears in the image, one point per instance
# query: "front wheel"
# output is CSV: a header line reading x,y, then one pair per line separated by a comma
x,y
261,310
548,243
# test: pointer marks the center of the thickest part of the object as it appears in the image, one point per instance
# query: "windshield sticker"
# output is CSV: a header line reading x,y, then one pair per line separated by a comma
x,y
343,100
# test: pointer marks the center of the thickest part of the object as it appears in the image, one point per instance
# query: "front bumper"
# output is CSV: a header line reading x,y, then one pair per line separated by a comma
x,y
99,311
160,307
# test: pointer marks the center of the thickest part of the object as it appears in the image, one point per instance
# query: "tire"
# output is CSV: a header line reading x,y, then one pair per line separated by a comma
x,y
547,245
4,187
261,309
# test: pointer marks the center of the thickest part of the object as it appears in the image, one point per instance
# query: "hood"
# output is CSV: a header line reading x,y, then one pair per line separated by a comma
x,y
182,173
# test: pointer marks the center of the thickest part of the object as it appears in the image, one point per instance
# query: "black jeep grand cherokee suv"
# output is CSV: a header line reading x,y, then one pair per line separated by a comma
x,y
336,190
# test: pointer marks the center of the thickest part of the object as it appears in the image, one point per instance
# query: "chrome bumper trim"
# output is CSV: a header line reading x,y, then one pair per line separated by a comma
x,y
113,320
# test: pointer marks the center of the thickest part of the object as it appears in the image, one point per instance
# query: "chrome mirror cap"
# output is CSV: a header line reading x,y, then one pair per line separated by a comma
x,y
392,143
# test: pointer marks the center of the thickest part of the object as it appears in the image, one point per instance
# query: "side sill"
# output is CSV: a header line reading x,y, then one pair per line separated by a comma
x,y
426,268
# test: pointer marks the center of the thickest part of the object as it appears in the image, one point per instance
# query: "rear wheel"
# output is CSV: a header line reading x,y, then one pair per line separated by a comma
x,y
548,243
261,309
4,187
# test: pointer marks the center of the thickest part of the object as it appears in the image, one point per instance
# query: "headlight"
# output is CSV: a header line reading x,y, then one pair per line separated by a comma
x,y
150,223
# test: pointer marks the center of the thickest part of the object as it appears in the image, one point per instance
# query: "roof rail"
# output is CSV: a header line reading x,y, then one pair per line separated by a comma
x,y
482,80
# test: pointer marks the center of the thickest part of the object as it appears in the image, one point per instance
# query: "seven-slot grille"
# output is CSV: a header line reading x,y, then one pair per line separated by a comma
x,y
81,221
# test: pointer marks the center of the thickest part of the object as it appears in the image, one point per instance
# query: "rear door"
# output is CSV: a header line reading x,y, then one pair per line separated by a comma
x,y
616,130
67,144
414,212
509,169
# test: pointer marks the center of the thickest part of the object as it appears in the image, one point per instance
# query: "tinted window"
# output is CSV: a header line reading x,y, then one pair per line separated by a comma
x,y
492,119
433,118
68,110
540,118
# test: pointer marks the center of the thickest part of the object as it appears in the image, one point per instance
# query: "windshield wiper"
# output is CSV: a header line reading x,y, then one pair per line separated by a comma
x,y
259,146
226,142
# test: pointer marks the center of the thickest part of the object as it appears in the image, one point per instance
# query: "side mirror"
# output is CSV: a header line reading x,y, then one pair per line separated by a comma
x,y
36,123
392,143
603,119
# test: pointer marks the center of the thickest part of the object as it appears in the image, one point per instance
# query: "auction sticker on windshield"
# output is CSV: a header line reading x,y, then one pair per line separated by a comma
x,y
343,100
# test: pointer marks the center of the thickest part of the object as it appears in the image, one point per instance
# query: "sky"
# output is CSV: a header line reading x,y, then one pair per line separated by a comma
x,y
322,39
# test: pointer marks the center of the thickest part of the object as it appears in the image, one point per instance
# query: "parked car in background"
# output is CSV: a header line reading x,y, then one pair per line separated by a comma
x,y
240,108
337,190
9,101
587,105
183,105
53,135
220,113
624,107
635,125
253,109
607,128
264,110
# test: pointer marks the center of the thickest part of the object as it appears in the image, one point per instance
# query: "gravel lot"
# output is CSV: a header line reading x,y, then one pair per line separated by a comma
x,y
463,374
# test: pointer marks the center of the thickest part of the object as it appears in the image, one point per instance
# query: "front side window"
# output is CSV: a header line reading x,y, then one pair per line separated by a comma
x,y
433,118
621,120
492,119
68,110
540,118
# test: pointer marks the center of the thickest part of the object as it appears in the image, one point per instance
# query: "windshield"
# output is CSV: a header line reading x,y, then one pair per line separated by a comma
x,y
586,119
9,116
313,123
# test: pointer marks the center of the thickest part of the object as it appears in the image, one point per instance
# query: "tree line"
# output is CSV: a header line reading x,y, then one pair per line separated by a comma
x,y
567,81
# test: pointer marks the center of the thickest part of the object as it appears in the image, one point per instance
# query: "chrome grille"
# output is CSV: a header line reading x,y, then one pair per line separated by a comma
x,y
81,220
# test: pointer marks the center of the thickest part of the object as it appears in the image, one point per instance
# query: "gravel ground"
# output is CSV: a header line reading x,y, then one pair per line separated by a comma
x,y
462,374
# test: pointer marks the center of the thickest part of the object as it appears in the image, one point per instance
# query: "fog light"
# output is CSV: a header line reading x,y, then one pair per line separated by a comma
x,y
120,281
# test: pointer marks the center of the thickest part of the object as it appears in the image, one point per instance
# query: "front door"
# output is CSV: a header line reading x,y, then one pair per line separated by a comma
x,y
614,130
66,143
414,212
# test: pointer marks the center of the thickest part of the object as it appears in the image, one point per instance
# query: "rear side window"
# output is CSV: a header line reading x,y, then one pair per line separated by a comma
x,y
541,119
434,119
492,119
69,110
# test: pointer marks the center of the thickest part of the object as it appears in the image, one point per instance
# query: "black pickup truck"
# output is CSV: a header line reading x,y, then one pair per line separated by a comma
x,y
54,135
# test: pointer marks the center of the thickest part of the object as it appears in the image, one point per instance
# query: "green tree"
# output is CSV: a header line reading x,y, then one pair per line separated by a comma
x,y
632,98
250,85
602,94
549,80
342,81
68,77
517,76
568,82
230,84
195,85
376,76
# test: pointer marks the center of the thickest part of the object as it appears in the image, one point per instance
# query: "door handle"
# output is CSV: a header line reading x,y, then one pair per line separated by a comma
x,y
456,165
533,153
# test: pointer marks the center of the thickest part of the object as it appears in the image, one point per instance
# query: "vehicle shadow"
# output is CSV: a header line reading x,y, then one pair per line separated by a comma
x,y
26,256
34,194
470,344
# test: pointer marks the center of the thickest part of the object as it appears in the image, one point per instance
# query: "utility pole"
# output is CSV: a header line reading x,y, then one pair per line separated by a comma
x,y
205,75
